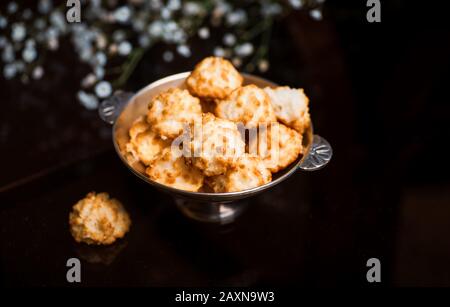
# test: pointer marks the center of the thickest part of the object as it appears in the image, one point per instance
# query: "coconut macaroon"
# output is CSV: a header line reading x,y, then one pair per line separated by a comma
x,y
139,125
171,111
213,78
291,106
144,144
248,172
171,169
148,146
216,145
277,146
248,105
98,219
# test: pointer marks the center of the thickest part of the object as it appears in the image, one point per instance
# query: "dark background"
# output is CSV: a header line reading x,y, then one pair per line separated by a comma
x,y
378,95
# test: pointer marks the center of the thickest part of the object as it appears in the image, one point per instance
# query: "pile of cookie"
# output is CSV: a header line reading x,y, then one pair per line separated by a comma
x,y
223,159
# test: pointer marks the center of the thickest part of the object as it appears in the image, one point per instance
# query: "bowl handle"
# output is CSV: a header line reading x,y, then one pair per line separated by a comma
x,y
319,155
111,107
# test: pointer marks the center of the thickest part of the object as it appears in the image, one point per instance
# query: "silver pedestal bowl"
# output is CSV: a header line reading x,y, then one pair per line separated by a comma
x,y
123,108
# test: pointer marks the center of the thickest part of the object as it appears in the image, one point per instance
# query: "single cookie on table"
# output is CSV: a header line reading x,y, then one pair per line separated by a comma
x,y
248,172
172,170
291,106
144,144
98,219
213,78
217,146
277,145
248,105
172,111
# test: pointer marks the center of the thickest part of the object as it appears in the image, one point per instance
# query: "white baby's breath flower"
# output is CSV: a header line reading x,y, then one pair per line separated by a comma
x,y
221,8
155,29
172,33
237,17
51,32
192,9
18,32
112,49
101,41
29,54
53,44
144,40
58,20
316,14
100,58
12,7
219,52
203,33
124,48
168,56
52,38
103,89
166,13
44,6
155,4
37,73
3,42
99,72
296,4
174,5
98,37
184,51
85,54
89,80
229,39
89,101
263,65
8,53
177,36
170,26
244,50
122,14
9,71
3,22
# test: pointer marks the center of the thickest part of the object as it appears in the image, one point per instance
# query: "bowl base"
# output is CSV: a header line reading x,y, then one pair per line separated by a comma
x,y
211,212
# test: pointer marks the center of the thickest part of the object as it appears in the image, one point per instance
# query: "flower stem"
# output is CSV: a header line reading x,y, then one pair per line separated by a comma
x,y
129,67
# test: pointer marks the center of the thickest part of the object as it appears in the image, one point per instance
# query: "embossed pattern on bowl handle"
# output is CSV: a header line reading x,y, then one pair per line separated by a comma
x,y
319,155
110,108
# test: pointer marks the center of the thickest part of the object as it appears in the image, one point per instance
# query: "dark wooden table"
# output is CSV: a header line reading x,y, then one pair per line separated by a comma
x,y
374,93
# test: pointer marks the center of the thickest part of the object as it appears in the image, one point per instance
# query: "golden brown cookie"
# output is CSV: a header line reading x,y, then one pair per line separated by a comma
x,y
173,171
291,106
217,146
172,111
98,219
277,146
213,78
144,144
248,172
248,105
